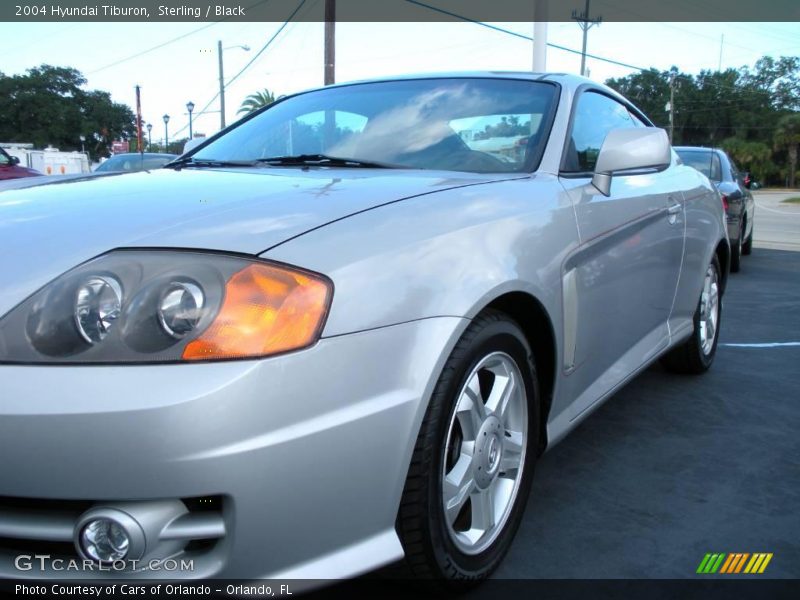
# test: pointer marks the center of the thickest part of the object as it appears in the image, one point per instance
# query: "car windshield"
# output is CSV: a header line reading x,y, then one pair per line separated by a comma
x,y
133,162
476,125
705,161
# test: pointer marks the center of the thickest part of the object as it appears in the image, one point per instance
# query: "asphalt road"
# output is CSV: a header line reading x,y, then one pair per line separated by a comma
x,y
673,467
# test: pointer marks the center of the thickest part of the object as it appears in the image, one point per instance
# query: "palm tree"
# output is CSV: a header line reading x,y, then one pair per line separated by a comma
x,y
787,135
255,101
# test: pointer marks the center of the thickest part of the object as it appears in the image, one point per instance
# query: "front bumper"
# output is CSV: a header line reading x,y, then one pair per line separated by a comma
x,y
308,451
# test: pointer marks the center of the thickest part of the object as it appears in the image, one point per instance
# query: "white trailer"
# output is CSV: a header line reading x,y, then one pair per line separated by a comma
x,y
50,161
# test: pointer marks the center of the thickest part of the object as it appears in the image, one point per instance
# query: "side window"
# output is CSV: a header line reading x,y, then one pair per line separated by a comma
x,y
637,122
735,173
4,158
595,116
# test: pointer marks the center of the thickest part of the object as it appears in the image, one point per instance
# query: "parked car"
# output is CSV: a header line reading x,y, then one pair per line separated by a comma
x,y
134,161
337,335
11,169
734,187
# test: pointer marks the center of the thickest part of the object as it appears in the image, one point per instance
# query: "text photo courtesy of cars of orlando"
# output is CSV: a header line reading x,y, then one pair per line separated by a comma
x,y
243,312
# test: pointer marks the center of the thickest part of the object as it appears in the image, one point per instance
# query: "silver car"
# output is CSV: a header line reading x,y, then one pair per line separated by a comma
x,y
341,332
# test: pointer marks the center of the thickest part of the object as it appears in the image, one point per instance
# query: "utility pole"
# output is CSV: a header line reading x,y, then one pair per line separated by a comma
x,y
671,106
330,42
540,36
221,88
721,42
585,23
139,144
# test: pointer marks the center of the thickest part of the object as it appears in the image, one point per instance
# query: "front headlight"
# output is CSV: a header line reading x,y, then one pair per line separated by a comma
x,y
166,306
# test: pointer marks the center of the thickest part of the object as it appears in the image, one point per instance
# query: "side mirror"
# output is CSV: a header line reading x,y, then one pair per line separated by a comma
x,y
629,150
14,160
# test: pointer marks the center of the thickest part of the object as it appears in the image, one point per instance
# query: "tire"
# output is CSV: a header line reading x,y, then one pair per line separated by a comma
x,y
736,251
696,354
436,542
747,247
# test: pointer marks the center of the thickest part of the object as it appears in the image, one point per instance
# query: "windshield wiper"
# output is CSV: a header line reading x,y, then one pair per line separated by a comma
x,y
188,161
323,160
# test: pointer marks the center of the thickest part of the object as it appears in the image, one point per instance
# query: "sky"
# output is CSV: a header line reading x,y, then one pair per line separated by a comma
x,y
117,56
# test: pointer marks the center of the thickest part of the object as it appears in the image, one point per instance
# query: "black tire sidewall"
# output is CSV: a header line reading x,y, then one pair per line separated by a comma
x,y
497,336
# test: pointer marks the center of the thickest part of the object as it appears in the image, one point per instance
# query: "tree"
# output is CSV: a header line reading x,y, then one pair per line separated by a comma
x,y
48,106
737,107
787,135
255,101
754,157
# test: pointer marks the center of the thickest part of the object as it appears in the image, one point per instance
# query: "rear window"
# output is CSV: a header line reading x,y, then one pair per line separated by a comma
x,y
707,162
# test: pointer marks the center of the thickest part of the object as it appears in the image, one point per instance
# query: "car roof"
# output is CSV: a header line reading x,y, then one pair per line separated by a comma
x,y
697,149
564,79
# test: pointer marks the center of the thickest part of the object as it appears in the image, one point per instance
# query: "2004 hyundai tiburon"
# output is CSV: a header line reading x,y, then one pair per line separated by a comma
x,y
341,332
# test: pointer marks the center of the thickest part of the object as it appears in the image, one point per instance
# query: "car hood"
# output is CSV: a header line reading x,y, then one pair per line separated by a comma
x,y
48,229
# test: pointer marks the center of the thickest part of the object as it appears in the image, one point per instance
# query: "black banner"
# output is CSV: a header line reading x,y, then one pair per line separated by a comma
x,y
396,10
708,588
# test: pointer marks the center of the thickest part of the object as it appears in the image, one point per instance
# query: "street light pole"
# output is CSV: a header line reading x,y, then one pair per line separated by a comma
x,y
244,47
166,133
190,108
150,136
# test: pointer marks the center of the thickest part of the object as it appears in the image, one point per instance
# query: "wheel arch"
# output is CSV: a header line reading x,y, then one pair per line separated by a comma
x,y
537,326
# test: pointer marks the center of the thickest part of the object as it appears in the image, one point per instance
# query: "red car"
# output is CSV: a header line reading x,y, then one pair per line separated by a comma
x,y
11,169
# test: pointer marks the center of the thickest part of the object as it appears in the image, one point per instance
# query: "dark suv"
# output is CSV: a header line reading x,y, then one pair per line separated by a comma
x,y
734,187
11,169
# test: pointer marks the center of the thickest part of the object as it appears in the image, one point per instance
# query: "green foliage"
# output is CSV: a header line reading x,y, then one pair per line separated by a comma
x,y
255,101
787,136
738,109
48,105
756,155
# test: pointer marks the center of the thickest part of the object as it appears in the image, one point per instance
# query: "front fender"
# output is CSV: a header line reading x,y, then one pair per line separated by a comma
x,y
444,254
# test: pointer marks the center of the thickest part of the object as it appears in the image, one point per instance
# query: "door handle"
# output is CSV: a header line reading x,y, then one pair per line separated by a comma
x,y
673,210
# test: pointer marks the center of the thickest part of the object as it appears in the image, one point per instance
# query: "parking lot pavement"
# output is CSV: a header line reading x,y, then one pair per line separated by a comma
x,y
777,225
673,467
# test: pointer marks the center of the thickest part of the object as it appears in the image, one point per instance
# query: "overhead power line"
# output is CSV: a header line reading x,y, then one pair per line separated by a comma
x,y
248,65
525,37
168,42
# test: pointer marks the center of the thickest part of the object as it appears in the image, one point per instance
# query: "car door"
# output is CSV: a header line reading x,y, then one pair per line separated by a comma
x,y
6,166
619,285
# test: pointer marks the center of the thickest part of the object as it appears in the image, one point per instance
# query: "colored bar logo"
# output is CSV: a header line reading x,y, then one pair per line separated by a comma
x,y
734,562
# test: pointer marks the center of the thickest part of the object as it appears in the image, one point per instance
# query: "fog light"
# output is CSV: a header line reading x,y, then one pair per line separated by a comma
x,y
105,540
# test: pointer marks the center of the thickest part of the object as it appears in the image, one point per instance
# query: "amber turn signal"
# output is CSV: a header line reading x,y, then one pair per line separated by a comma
x,y
267,309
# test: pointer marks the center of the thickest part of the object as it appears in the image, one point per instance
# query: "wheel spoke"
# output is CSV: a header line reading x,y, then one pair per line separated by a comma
x,y
503,388
482,511
458,485
471,411
512,454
